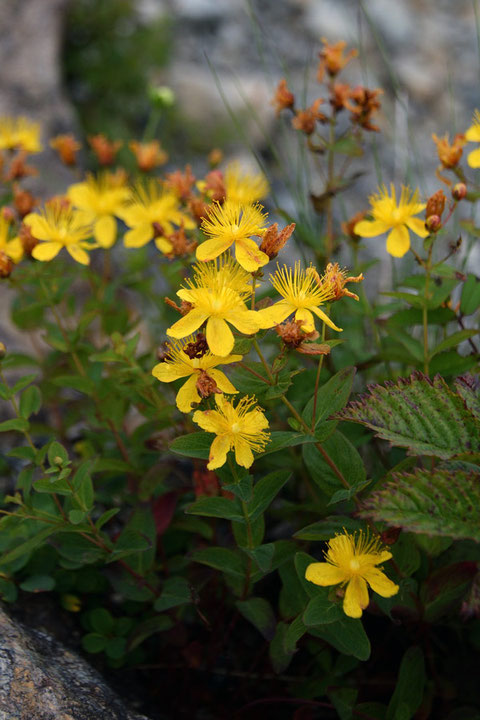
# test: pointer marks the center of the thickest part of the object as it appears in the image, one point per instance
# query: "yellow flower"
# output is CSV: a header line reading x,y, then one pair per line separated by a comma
x,y
302,294
473,135
60,226
203,378
233,223
240,428
151,212
100,199
243,187
217,293
12,247
351,561
387,215
19,132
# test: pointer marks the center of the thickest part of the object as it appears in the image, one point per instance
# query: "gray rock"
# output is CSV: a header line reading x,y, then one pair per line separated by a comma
x,y
42,680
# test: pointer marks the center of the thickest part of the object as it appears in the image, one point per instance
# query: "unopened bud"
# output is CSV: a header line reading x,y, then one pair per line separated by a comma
x,y
433,223
435,204
6,265
3,350
459,191
161,96
57,460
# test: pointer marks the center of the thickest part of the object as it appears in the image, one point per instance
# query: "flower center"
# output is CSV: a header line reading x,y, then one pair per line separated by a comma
x,y
235,428
354,565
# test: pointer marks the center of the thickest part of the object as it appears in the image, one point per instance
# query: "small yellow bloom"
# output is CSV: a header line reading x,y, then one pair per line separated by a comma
x,y
100,199
202,373
244,188
240,428
230,224
12,247
152,211
387,215
19,132
59,226
303,291
217,293
351,561
473,135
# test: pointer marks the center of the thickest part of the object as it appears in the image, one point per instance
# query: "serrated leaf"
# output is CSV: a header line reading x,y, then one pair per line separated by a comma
x,y
420,414
437,503
258,612
468,387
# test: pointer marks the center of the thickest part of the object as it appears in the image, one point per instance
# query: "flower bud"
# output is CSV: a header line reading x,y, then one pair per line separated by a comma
x,y
161,96
433,223
435,204
459,191
6,265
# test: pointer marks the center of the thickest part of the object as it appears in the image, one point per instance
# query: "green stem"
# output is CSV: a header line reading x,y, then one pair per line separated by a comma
x,y
317,379
428,267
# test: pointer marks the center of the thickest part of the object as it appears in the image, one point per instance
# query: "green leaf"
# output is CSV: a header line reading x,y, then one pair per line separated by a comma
x,y
101,620
423,415
294,632
30,402
445,587
280,439
176,591
21,384
467,388
346,458
455,339
470,298
332,396
76,516
228,561
57,455
327,528
24,453
219,507
265,490
76,382
82,482
258,612
94,643
28,546
196,445
346,635
19,424
437,503
410,685
105,517
322,611
38,583
280,652
347,146
116,648
149,627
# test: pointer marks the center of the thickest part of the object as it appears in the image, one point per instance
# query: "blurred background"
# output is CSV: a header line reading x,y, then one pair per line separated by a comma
x,y
88,67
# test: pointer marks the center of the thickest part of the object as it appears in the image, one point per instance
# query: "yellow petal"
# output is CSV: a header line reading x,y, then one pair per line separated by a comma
x,y
323,316
222,381
305,317
46,251
210,421
370,228
210,361
80,195
219,337
274,315
473,134
14,249
39,227
380,583
210,249
356,597
417,226
168,371
188,394
164,245
79,254
187,324
323,573
249,255
244,320
243,453
473,158
105,231
139,236
218,452
398,241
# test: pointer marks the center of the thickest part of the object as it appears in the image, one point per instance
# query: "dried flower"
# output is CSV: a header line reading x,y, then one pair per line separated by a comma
x,y
337,279
67,147
273,241
305,120
181,183
148,155
23,200
283,98
449,154
363,103
104,149
332,58
215,157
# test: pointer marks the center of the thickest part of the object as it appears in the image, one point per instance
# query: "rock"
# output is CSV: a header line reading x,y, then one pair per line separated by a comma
x,y
42,680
